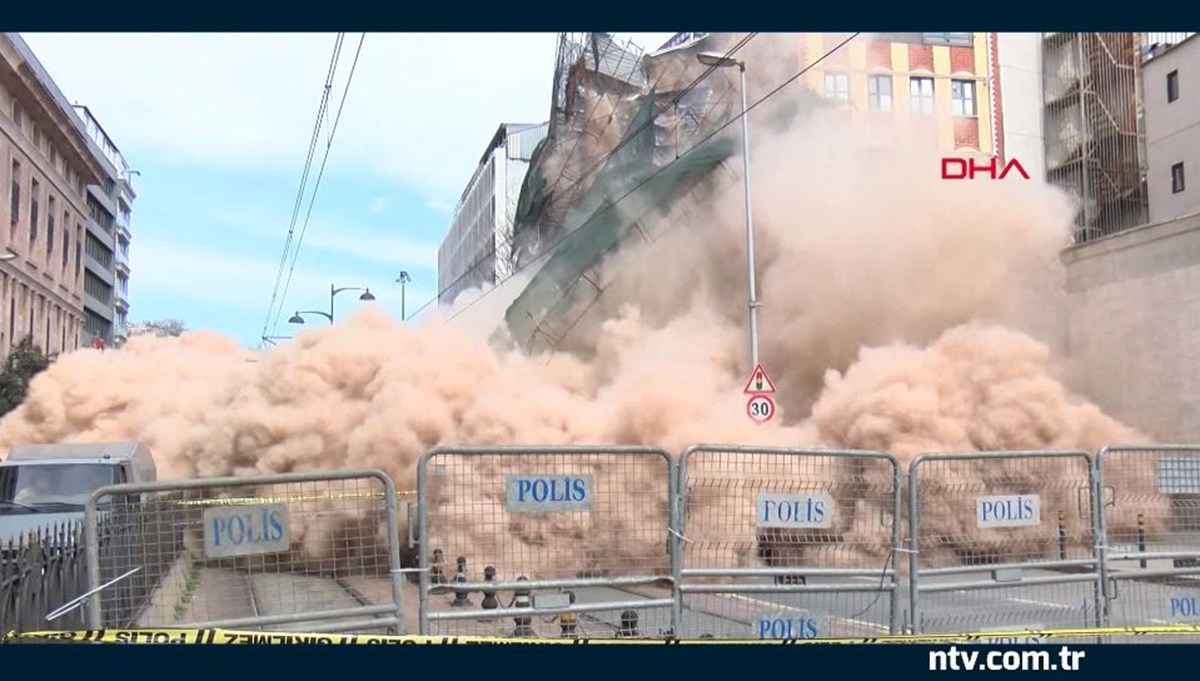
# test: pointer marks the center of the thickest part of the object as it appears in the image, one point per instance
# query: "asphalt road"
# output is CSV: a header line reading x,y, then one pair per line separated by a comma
x,y
223,594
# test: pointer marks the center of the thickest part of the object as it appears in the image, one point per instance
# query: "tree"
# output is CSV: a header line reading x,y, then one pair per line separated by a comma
x,y
23,363
160,328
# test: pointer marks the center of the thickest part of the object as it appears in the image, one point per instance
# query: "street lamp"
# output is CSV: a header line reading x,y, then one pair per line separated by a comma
x,y
403,279
720,60
333,291
297,319
10,255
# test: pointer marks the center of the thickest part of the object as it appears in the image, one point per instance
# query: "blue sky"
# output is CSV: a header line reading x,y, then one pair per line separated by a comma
x,y
219,125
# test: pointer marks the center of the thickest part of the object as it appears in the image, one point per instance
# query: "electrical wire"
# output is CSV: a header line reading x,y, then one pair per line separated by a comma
x,y
320,174
611,205
322,109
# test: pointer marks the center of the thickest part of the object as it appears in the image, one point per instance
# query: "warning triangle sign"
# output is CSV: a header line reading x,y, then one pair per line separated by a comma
x,y
759,383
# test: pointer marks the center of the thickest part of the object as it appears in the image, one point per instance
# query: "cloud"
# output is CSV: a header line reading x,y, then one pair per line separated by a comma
x,y
414,111
233,280
379,204
335,237
421,107
443,207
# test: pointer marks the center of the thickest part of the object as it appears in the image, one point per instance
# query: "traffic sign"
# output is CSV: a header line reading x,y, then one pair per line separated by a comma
x,y
759,383
760,408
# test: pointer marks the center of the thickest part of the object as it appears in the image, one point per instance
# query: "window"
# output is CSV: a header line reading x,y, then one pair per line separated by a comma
x,y
78,254
15,193
879,93
962,97
1172,86
66,249
837,88
16,112
954,39
921,95
50,231
1177,182
33,210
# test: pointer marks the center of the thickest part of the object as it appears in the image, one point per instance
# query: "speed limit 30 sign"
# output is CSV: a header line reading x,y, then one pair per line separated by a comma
x,y
760,408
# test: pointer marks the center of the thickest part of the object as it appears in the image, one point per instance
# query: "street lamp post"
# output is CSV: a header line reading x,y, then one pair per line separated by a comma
x,y
719,60
403,279
333,291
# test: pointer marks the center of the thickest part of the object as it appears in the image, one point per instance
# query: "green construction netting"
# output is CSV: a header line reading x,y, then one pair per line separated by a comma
x,y
624,192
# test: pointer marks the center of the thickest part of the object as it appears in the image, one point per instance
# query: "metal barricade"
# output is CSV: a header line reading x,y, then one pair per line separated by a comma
x,y
788,543
1003,541
307,552
546,541
1151,526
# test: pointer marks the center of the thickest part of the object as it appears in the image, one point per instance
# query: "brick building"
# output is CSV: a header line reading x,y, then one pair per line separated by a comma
x,y
943,84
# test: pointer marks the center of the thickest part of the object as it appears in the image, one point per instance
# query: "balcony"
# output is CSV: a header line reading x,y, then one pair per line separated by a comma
x,y
97,306
97,267
105,236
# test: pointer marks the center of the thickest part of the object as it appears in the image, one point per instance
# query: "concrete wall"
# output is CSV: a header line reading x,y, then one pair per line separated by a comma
x,y
1019,58
1173,130
1134,325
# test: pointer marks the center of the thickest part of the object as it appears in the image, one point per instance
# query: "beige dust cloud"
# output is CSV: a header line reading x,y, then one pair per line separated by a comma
x,y
898,315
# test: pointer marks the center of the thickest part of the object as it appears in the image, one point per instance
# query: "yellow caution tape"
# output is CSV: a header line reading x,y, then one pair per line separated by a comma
x,y
223,636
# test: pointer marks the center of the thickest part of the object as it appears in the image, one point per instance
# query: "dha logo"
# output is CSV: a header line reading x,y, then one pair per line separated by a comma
x,y
967,168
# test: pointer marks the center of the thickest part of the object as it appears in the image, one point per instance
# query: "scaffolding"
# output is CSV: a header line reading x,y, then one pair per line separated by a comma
x,y
619,118
1094,131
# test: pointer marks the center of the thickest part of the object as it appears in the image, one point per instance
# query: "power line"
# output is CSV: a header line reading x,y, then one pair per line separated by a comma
x,y
322,109
320,174
658,172
600,165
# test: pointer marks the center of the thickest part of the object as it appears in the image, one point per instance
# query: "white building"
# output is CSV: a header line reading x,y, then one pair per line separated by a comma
x,y
477,251
1018,65
1171,91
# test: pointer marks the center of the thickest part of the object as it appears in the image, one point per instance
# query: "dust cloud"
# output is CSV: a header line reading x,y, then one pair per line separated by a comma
x,y
901,313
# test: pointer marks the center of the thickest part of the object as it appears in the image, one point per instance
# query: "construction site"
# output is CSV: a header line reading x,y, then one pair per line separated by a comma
x,y
577,461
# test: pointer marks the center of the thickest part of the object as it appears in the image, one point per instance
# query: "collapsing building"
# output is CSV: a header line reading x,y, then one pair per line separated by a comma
x,y
636,143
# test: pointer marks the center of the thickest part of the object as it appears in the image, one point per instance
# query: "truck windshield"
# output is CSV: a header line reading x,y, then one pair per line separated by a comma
x,y
33,487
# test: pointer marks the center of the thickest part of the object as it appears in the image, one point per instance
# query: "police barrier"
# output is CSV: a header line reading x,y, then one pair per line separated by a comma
x,y
546,541
779,543
1003,540
228,637
1151,526
319,550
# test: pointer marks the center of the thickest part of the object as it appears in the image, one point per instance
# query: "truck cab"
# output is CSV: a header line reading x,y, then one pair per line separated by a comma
x,y
43,486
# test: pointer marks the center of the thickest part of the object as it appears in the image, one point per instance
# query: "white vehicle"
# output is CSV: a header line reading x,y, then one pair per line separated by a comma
x,y
46,485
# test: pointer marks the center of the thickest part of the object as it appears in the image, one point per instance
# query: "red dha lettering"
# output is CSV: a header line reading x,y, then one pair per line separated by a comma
x,y
966,168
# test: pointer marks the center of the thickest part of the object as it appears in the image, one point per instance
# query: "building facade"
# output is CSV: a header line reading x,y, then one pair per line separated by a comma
x,y
941,84
64,282
478,249
46,165
106,262
1171,91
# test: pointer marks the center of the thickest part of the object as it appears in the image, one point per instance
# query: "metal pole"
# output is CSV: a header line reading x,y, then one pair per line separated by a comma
x,y
332,293
402,317
749,227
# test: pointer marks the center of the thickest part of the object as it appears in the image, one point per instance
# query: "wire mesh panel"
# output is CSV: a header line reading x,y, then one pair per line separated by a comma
x,y
308,552
1002,541
788,543
566,541
1151,522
